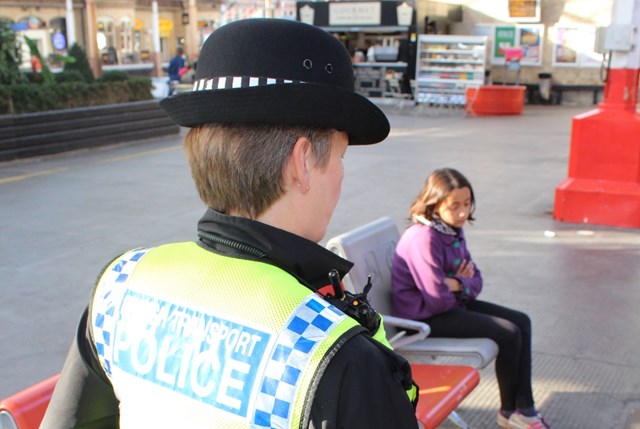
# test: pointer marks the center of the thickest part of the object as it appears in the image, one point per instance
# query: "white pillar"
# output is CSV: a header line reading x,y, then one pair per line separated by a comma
x,y
627,13
223,14
155,34
155,30
192,39
71,24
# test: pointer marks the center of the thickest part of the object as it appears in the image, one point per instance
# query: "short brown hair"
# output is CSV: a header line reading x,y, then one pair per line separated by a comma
x,y
436,189
239,167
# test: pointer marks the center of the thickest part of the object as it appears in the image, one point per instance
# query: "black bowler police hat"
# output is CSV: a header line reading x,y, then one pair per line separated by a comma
x,y
275,71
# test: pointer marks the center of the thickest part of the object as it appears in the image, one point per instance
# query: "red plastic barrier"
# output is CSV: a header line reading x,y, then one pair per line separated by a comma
x,y
495,100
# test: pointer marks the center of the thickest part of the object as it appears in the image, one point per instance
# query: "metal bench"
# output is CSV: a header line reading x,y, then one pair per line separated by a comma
x,y
371,247
442,387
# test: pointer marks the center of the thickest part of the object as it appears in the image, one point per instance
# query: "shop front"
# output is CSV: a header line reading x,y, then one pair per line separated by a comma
x,y
380,36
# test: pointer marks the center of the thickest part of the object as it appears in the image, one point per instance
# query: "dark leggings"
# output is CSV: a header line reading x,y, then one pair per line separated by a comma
x,y
510,329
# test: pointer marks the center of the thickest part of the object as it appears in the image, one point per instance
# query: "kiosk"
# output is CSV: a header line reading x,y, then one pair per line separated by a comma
x,y
380,35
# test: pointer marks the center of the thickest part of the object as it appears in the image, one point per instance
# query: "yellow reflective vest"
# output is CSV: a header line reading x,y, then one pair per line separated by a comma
x,y
190,338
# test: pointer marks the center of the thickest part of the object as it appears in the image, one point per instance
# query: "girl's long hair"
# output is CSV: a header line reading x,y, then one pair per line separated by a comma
x,y
436,189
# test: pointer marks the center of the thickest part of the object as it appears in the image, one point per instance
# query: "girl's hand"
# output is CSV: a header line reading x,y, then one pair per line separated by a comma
x,y
454,285
466,269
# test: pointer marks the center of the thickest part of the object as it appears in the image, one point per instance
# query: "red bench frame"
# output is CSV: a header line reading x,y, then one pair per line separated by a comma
x,y
28,406
442,388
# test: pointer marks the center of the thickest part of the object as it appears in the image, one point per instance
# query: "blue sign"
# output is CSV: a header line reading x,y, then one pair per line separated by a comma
x,y
19,26
59,41
200,355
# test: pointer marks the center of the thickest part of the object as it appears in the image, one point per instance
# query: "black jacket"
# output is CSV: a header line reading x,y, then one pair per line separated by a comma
x,y
362,387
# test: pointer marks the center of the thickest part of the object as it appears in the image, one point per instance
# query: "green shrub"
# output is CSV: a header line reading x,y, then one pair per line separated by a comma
x,y
114,76
81,64
139,88
33,77
70,76
30,97
10,54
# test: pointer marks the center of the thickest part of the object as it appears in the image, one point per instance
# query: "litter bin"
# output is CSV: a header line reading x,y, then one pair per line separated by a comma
x,y
544,86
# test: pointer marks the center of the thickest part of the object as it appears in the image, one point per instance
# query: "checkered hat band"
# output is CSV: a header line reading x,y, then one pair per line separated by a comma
x,y
307,327
234,82
111,290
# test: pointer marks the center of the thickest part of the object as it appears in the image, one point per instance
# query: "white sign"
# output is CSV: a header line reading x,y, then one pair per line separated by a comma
x,y
405,13
351,13
307,14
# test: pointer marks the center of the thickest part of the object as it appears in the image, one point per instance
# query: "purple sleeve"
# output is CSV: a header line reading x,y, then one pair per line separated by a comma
x,y
424,258
471,287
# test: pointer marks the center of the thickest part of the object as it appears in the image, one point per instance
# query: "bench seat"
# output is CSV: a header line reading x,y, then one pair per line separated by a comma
x,y
442,388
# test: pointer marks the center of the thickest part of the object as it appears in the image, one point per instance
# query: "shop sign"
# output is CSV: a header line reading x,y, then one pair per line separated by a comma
x,y
307,14
165,26
524,10
354,13
20,26
405,13
138,24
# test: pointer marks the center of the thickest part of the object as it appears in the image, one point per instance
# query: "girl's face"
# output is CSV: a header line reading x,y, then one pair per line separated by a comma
x,y
455,209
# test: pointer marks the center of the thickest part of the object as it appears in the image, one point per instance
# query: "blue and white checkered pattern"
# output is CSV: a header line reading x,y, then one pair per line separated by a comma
x,y
110,292
308,326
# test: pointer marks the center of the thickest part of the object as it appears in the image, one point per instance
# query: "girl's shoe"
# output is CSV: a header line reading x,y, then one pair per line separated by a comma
x,y
503,422
519,421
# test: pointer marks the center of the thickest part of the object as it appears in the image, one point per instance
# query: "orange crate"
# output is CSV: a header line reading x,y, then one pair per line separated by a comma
x,y
495,100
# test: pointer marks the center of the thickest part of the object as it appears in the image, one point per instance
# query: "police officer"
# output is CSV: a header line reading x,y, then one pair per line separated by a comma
x,y
235,329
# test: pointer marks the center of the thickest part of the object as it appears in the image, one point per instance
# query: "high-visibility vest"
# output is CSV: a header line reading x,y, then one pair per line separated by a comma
x,y
190,338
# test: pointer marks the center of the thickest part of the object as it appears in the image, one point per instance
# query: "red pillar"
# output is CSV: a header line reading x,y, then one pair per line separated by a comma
x,y
603,182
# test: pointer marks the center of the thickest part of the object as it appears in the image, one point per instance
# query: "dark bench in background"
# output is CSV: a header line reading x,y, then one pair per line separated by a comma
x,y
533,92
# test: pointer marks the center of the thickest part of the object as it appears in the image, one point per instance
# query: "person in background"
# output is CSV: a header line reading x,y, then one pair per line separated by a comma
x,y
435,280
189,75
235,329
36,66
176,63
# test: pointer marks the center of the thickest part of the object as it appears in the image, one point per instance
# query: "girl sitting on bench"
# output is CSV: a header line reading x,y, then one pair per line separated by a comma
x,y
435,280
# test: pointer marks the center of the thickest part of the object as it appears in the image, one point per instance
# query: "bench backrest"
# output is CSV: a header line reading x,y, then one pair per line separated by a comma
x,y
370,247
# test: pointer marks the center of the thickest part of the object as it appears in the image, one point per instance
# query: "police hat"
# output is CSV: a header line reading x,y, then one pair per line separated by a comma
x,y
276,71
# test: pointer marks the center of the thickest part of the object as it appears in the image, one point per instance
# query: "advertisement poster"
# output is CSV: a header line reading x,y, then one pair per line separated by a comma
x,y
531,43
573,46
565,51
528,37
505,38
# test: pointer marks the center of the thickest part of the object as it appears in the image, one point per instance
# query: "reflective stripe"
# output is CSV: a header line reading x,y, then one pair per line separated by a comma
x,y
236,364
308,326
104,320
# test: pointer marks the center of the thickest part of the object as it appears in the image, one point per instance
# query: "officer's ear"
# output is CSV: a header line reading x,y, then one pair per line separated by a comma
x,y
299,165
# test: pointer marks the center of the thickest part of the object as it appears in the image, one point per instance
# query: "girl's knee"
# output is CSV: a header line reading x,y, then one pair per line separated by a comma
x,y
508,335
